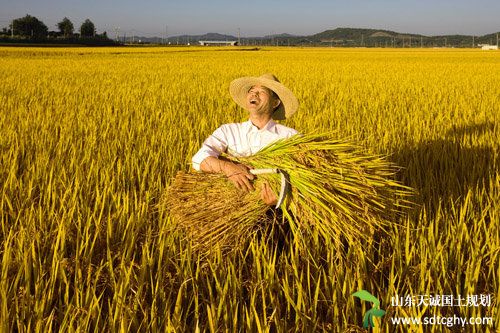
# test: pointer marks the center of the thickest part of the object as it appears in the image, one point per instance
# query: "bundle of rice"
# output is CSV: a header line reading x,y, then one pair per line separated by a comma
x,y
337,189
212,212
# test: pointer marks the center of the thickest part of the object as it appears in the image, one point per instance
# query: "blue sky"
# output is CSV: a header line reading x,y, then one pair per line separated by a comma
x,y
257,17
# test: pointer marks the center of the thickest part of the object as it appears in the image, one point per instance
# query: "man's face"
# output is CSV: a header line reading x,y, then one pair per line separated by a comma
x,y
261,100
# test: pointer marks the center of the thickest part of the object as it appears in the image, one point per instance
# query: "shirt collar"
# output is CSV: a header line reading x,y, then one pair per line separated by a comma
x,y
271,124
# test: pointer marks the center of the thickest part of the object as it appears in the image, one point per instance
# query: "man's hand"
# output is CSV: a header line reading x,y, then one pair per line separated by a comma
x,y
239,175
267,195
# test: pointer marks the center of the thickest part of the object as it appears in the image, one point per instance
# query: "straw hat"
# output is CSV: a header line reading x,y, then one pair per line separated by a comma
x,y
289,103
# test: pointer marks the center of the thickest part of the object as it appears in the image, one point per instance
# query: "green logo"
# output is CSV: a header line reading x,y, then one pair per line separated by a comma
x,y
374,311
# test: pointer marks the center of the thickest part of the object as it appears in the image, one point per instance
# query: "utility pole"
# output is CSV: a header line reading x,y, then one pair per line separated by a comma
x,y
239,40
473,41
362,39
12,30
410,41
116,33
421,42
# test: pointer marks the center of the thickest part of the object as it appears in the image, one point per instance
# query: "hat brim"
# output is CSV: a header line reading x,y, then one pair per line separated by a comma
x,y
289,103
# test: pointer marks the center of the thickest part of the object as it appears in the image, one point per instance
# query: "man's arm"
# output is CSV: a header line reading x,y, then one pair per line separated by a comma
x,y
238,174
213,146
207,160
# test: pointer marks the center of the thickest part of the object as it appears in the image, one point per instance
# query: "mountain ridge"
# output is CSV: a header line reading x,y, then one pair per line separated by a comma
x,y
343,36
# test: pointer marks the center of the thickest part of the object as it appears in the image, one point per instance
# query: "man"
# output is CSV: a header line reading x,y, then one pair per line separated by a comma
x,y
265,99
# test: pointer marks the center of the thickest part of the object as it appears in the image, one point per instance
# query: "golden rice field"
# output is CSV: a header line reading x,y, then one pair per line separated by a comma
x,y
90,138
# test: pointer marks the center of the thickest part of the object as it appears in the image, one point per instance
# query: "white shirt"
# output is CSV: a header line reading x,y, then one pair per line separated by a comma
x,y
240,139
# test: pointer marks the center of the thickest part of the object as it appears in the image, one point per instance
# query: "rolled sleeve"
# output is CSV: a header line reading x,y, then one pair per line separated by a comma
x,y
214,145
291,133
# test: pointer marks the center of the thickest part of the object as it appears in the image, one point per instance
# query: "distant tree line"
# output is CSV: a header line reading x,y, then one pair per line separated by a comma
x,y
29,29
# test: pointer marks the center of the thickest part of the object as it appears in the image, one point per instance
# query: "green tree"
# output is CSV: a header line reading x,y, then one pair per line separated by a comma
x,y
87,29
30,26
66,27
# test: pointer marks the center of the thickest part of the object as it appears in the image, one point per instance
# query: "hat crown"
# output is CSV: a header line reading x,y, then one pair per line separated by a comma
x,y
269,76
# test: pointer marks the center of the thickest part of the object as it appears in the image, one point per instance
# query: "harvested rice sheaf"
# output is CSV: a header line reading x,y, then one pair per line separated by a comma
x,y
212,212
337,189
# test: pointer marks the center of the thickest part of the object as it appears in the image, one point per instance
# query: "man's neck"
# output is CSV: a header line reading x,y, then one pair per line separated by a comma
x,y
260,120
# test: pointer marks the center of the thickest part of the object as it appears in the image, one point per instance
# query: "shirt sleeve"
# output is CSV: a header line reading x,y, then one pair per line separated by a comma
x,y
291,133
214,145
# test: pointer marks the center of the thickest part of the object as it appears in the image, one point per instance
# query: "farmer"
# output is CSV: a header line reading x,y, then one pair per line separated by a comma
x,y
266,100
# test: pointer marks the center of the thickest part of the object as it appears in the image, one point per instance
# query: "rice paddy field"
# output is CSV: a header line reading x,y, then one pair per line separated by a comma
x,y
91,138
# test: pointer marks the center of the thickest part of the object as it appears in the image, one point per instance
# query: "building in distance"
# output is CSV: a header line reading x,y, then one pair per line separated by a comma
x,y
218,42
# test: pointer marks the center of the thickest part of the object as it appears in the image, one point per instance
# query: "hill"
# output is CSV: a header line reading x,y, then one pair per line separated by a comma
x,y
353,37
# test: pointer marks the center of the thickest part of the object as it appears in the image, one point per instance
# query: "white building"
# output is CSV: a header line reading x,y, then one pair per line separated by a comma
x,y
488,47
218,42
